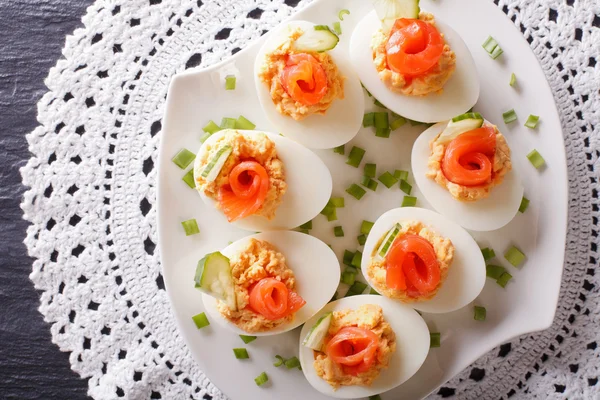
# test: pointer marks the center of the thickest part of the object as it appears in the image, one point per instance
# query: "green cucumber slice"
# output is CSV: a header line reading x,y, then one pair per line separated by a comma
x,y
213,277
387,241
314,338
389,11
320,39
460,124
214,166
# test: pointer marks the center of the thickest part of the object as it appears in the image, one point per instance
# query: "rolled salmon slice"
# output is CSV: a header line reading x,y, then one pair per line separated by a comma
x,y
270,298
246,192
353,348
304,79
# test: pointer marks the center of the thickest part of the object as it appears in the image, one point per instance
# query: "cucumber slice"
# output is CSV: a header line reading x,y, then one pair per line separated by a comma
x,y
387,241
389,11
317,333
213,277
321,39
214,166
460,124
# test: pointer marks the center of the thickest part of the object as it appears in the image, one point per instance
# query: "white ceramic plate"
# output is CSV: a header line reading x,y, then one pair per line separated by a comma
x,y
527,304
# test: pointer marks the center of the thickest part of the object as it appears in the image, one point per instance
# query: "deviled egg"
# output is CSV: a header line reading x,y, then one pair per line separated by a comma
x,y
306,87
413,63
261,181
418,257
361,346
464,169
268,283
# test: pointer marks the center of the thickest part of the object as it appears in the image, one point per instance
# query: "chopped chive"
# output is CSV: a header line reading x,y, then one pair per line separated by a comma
x,y
190,227
356,191
261,379
366,227
494,271
292,363
373,291
337,202
405,187
488,253
357,259
342,13
241,353
279,361
479,313
509,116
348,255
211,127
397,123
351,269
228,123
355,157
378,103
514,256
331,214
365,180
362,239
348,277
339,150
201,320
383,132
247,339
524,204
183,158
387,179
189,178
369,120
532,121
536,159
490,44
230,82
306,225
337,28
370,170
369,183
401,175
434,339
205,136
382,120
356,288
409,201
497,52
338,231
513,79
504,278
375,397
243,123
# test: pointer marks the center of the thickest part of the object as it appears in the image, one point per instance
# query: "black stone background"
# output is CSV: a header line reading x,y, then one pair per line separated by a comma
x,y
32,34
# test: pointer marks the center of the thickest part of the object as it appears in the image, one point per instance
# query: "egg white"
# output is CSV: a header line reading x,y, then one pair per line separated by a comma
x,y
344,117
315,267
460,92
486,214
466,276
308,180
412,347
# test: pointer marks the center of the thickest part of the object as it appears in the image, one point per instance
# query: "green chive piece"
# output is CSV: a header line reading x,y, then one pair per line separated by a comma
x,y
348,255
356,260
383,132
365,180
497,52
261,379
479,313
247,339
342,13
348,277
514,256
387,179
370,170
211,127
356,191
490,44
509,116
189,178
369,120
397,123
513,79
362,239
366,227
379,104
183,158
494,271
228,123
243,123
351,269
205,136
355,157
370,183
405,187
190,227
488,253
241,353
339,149
332,216
409,201
532,121
504,278
292,363
375,397
382,120
280,361
401,175
434,339
536,159
375,292
338,202
356,288
338,231
230,82
337,28
524,204
201,320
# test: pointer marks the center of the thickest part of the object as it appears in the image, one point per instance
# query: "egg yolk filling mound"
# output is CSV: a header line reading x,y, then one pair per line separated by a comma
x,y
415,266
265,289
413,59
471,164
358,345
301,83
252,180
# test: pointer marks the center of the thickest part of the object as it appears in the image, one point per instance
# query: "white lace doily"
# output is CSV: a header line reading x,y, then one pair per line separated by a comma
x,y
92,195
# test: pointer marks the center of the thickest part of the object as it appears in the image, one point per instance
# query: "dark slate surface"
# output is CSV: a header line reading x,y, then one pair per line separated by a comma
x,y
32,34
